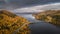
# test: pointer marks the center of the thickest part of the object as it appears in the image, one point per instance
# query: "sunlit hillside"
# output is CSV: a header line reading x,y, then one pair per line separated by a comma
x,y
51,16
10,23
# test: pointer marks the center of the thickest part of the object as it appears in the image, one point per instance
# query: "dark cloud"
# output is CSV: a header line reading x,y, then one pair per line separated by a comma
x,y
12,4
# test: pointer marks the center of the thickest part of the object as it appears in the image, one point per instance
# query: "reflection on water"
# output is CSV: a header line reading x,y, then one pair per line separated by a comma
x,y
40,27
28,16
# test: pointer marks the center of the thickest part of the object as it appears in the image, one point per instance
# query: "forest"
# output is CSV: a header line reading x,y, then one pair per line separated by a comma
x,y
50,16
10,23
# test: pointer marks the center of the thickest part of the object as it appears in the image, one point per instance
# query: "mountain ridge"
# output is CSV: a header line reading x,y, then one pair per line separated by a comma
x,y
50,16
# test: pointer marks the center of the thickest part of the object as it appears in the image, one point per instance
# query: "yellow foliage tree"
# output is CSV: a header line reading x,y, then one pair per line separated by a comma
x,y
50,16
10,23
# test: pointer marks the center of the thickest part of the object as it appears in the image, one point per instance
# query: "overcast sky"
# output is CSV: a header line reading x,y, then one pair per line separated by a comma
x,y
23,5
39,8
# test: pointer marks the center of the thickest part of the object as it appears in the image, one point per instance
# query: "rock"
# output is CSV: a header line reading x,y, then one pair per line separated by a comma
x,y
50,16
10,23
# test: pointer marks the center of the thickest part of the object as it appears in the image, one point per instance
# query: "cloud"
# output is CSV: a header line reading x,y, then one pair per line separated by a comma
x,y
54,6
13,4
38,8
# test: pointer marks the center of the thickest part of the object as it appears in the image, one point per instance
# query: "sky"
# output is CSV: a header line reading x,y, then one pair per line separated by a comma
x,y
29,5
39,8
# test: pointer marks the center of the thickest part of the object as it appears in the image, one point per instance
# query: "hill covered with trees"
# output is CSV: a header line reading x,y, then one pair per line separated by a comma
x,y
11,23
50,16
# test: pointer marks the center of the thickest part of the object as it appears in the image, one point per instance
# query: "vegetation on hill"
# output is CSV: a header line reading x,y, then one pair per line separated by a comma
x,y
50,16
10,22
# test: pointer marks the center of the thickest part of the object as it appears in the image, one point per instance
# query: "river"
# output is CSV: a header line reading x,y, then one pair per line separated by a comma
x,y
40,27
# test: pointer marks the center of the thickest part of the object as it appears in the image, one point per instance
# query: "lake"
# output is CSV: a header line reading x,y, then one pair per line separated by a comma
x,y
40,27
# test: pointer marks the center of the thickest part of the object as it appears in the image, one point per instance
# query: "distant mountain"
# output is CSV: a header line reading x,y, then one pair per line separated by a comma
x,y
50,16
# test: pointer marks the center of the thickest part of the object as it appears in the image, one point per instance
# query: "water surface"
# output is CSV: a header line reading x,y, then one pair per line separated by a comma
x,y
40,27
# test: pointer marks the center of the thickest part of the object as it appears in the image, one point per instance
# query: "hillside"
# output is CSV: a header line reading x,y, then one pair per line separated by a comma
x,y
10,23
50,16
